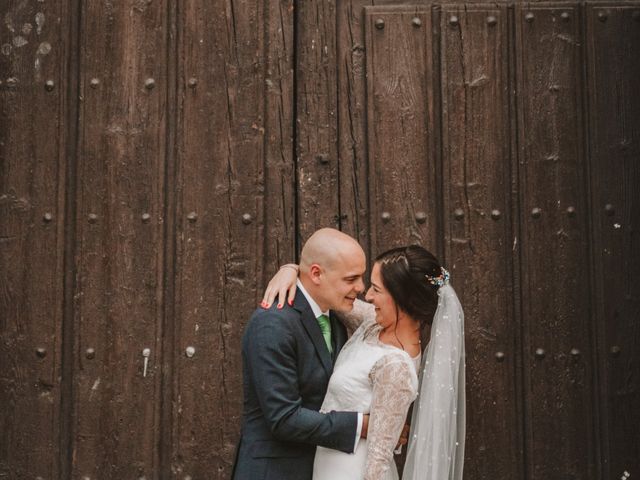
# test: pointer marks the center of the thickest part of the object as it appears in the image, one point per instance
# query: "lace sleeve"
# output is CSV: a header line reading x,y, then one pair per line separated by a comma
x,y
362,312
395,386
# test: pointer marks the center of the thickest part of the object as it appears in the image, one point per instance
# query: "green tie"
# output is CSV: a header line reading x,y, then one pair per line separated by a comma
x,y
325,328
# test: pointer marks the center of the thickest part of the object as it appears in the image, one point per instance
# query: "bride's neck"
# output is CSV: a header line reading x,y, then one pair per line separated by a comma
x,y
405,334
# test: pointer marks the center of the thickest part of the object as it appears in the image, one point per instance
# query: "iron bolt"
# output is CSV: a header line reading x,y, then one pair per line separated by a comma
x,y
536,212
491,20
416,22
93,218
575,352
47,217
571,211
458,214
565,16
12,82
193,81
421,217
323,158
553,88
48,85
500,356
379,23
609,210
190,351
540,353
94,82
41,352
146,217
602,16
615,351
149,83
386,216
453,20
90,353
246,219
495,214
529,17
192,217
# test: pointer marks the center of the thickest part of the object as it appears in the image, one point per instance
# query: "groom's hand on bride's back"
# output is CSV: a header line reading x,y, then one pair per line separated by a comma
x,y
365,426
404,436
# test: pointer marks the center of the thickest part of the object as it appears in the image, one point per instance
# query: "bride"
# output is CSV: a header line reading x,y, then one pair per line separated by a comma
x,y
382,369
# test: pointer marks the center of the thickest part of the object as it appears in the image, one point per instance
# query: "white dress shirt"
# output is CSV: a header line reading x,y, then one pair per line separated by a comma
x,y
317,311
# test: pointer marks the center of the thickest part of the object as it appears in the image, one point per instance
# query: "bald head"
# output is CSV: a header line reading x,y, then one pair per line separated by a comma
x,y
331,268
328,247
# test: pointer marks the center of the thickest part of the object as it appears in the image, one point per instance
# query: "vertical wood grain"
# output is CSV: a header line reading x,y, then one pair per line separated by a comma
x,y
279,232
403,170
316,117
219,224
479,237
555,283
119,242
352,121
613,49
34,50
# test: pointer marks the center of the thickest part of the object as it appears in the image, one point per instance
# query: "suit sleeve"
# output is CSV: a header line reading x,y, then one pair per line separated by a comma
x,y
270,353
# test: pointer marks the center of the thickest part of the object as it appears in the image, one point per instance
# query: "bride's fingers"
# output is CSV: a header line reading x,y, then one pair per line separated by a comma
x,y
292,294
269,294
282,295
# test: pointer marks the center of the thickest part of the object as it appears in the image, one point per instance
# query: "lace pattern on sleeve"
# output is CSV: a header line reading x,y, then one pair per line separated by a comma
x,y
362,312
395,386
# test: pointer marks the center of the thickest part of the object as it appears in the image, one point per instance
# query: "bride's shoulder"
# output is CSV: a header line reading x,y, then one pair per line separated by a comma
x,y
395,360
395,370
365,311
360,319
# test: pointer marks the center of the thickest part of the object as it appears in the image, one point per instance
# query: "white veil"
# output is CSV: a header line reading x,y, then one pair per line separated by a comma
x,y
436,441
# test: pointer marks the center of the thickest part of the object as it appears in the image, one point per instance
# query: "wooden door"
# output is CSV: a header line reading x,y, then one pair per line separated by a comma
x,y
158,160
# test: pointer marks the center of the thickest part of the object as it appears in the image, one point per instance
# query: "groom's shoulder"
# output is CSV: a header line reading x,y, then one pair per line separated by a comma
x,y
274,317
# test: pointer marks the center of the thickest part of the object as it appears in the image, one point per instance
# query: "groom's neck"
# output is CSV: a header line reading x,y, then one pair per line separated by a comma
x,y
313,291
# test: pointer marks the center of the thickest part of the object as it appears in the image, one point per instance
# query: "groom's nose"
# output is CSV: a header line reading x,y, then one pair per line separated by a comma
x,y
360,286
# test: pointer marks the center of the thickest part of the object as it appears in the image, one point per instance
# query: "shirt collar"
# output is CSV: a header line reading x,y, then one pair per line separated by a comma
x,y
314,306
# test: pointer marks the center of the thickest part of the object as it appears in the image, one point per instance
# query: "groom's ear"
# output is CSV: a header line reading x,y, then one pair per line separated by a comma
x,y
315,272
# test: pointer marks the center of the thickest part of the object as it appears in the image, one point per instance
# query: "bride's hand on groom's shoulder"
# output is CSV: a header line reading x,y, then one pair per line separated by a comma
x,y
282,286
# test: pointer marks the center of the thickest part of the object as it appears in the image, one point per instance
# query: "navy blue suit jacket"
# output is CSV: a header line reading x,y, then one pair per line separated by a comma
x,y
286,369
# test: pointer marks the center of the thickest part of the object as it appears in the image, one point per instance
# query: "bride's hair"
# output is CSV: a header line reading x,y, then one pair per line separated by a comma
x,y
404,271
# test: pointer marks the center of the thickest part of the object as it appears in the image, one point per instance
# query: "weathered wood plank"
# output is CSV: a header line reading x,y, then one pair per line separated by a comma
x,y
120,209
403,170
219,224
352,120
33,60
279,171
477,204
613,41
558,387
316,123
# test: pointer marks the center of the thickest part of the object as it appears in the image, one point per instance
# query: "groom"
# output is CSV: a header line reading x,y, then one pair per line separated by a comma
x,y
288,356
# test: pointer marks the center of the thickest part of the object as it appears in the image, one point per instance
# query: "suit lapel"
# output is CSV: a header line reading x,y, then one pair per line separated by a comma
x,y
313,330
338,332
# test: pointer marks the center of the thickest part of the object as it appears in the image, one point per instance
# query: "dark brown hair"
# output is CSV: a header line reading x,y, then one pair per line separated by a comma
x,y
403,271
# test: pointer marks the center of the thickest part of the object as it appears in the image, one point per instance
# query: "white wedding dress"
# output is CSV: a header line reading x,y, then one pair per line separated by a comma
x,y
369,377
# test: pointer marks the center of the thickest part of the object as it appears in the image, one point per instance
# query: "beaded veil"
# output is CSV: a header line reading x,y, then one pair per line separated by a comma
x,y
436,442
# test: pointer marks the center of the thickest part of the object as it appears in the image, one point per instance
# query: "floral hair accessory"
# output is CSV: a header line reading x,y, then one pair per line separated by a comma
x,y
440,280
